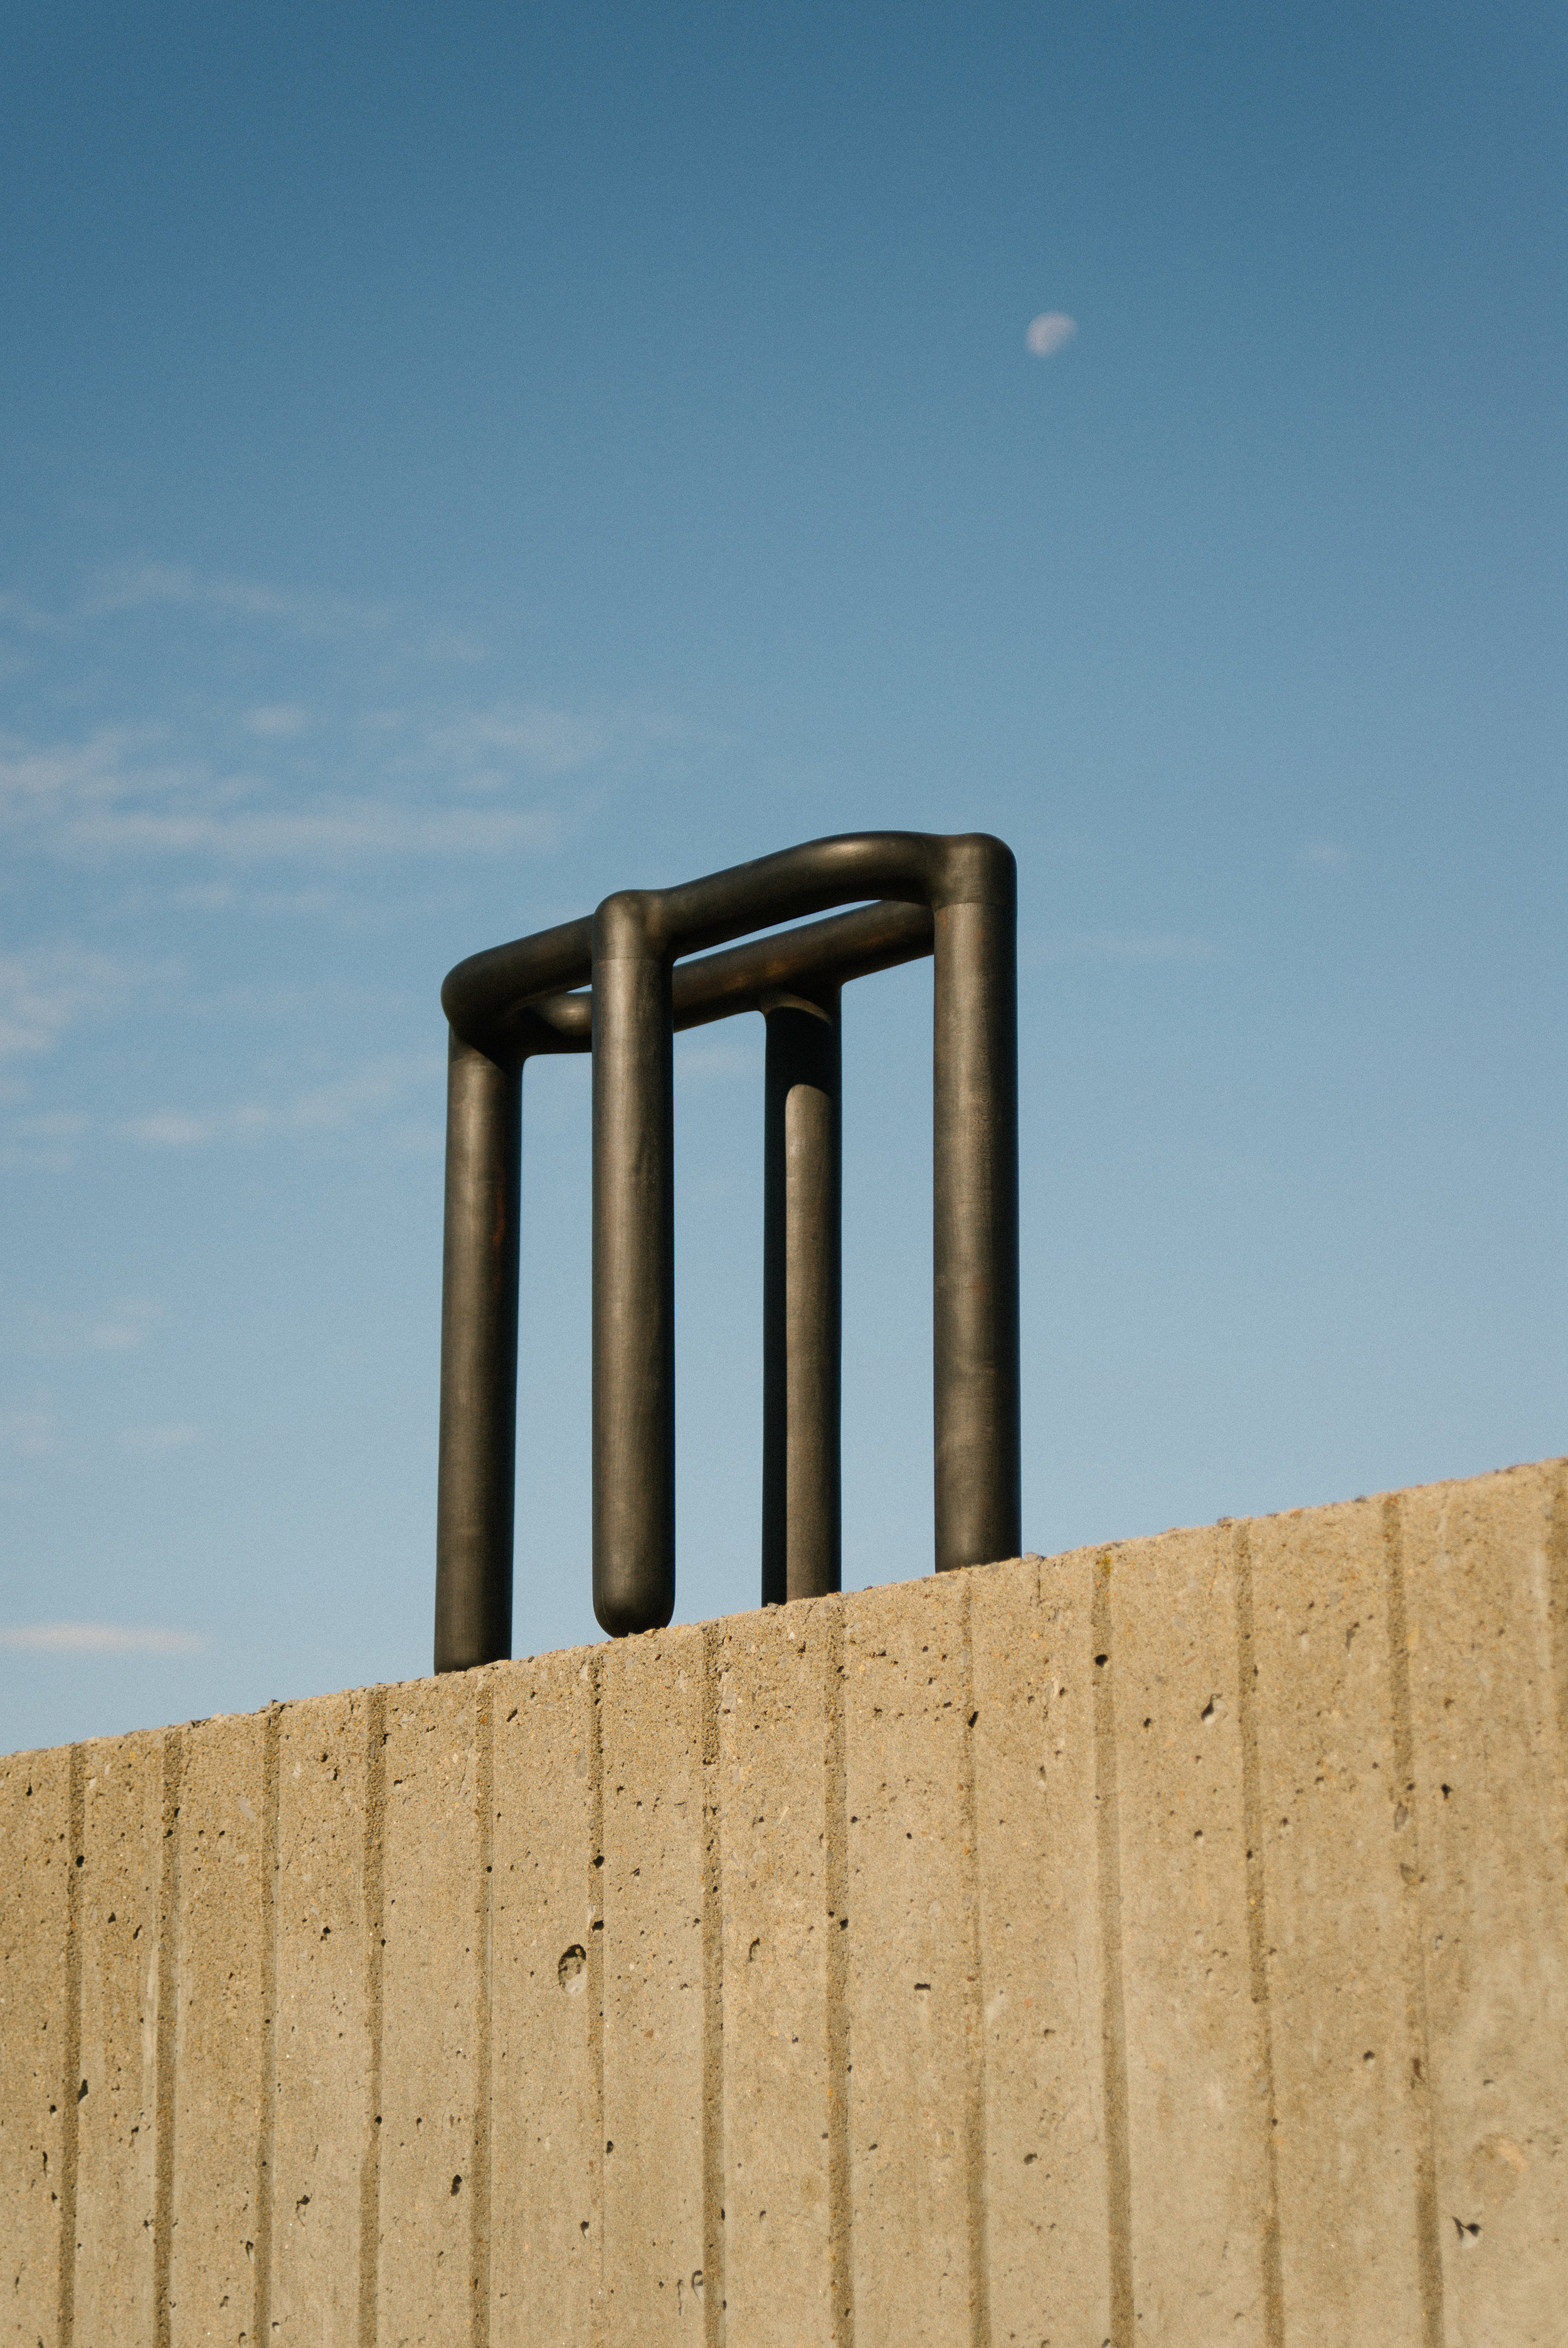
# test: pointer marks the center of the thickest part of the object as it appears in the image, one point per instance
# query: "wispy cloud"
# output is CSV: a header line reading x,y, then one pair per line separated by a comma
x,y
306,610
31,1433
126,589
349,1100
385,1094
30,617
44,1144
118,1328
124,1328
156,1442
277,721
347,762
549,741
98,1639
43,992
119,794
47,990
332,831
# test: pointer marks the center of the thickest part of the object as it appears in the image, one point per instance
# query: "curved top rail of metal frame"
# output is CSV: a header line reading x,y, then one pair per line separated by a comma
x,y
913,867
815,956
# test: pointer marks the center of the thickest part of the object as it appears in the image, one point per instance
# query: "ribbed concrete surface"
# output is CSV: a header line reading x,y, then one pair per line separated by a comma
x,y
1161,1943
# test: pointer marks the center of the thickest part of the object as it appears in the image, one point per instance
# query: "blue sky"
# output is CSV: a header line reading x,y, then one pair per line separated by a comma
x,y
462,461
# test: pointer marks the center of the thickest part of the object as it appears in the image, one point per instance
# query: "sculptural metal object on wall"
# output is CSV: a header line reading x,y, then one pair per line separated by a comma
x,y
953,897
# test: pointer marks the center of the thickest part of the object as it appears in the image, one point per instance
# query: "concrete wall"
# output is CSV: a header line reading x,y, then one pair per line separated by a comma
x,y
1160,1944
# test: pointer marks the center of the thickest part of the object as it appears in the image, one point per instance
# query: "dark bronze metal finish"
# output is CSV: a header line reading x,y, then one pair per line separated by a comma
x,y
479,1357
953,895
801,1292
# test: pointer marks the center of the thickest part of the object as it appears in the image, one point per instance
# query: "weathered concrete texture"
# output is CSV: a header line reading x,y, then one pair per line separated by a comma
x,y
40,2025
117,2221
323,2038
1164,1942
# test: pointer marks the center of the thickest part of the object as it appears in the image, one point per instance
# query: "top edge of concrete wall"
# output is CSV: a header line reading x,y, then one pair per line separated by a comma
x,y
1132,1544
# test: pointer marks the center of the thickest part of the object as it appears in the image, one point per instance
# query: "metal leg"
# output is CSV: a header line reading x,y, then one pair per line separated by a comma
x,y
801,1302
975,1069
633,1274
475,1499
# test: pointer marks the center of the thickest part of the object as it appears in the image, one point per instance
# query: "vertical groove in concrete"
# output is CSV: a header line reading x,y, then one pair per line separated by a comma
x,y
1113,2022
267,2118
168,2016
1258,1931
836,1808
1557,1605
596,1980
974,2115
70,2069
480,2154
713,2289
1429,2254
374,1944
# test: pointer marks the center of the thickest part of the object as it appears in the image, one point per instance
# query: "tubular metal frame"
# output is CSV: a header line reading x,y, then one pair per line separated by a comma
x,y
954,896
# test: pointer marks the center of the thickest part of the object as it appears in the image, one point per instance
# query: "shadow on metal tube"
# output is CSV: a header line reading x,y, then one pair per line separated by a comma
x,y
801,1300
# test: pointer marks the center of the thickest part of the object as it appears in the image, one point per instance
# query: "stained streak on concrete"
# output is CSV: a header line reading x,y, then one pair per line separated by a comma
x,y
1248,1670
1113,2008
71,2070
713,2206
480,2150
975,2116
261,2328
830,1624
375,1938
594,1908
1412,1956
168,2013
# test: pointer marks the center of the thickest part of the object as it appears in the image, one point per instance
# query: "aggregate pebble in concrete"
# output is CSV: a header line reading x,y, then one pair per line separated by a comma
x,y
655,1706
432,2073
128,1927
1047,2194
784,2080
1484,1569
1334,1833
322,2167
221,2206
546,1998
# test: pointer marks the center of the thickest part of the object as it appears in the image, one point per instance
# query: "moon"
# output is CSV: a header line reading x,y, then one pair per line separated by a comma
x,y
1049,332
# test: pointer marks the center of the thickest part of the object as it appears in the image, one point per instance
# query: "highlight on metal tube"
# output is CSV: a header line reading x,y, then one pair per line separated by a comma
x,y
801,1300
645,957
633,1274
974,1234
